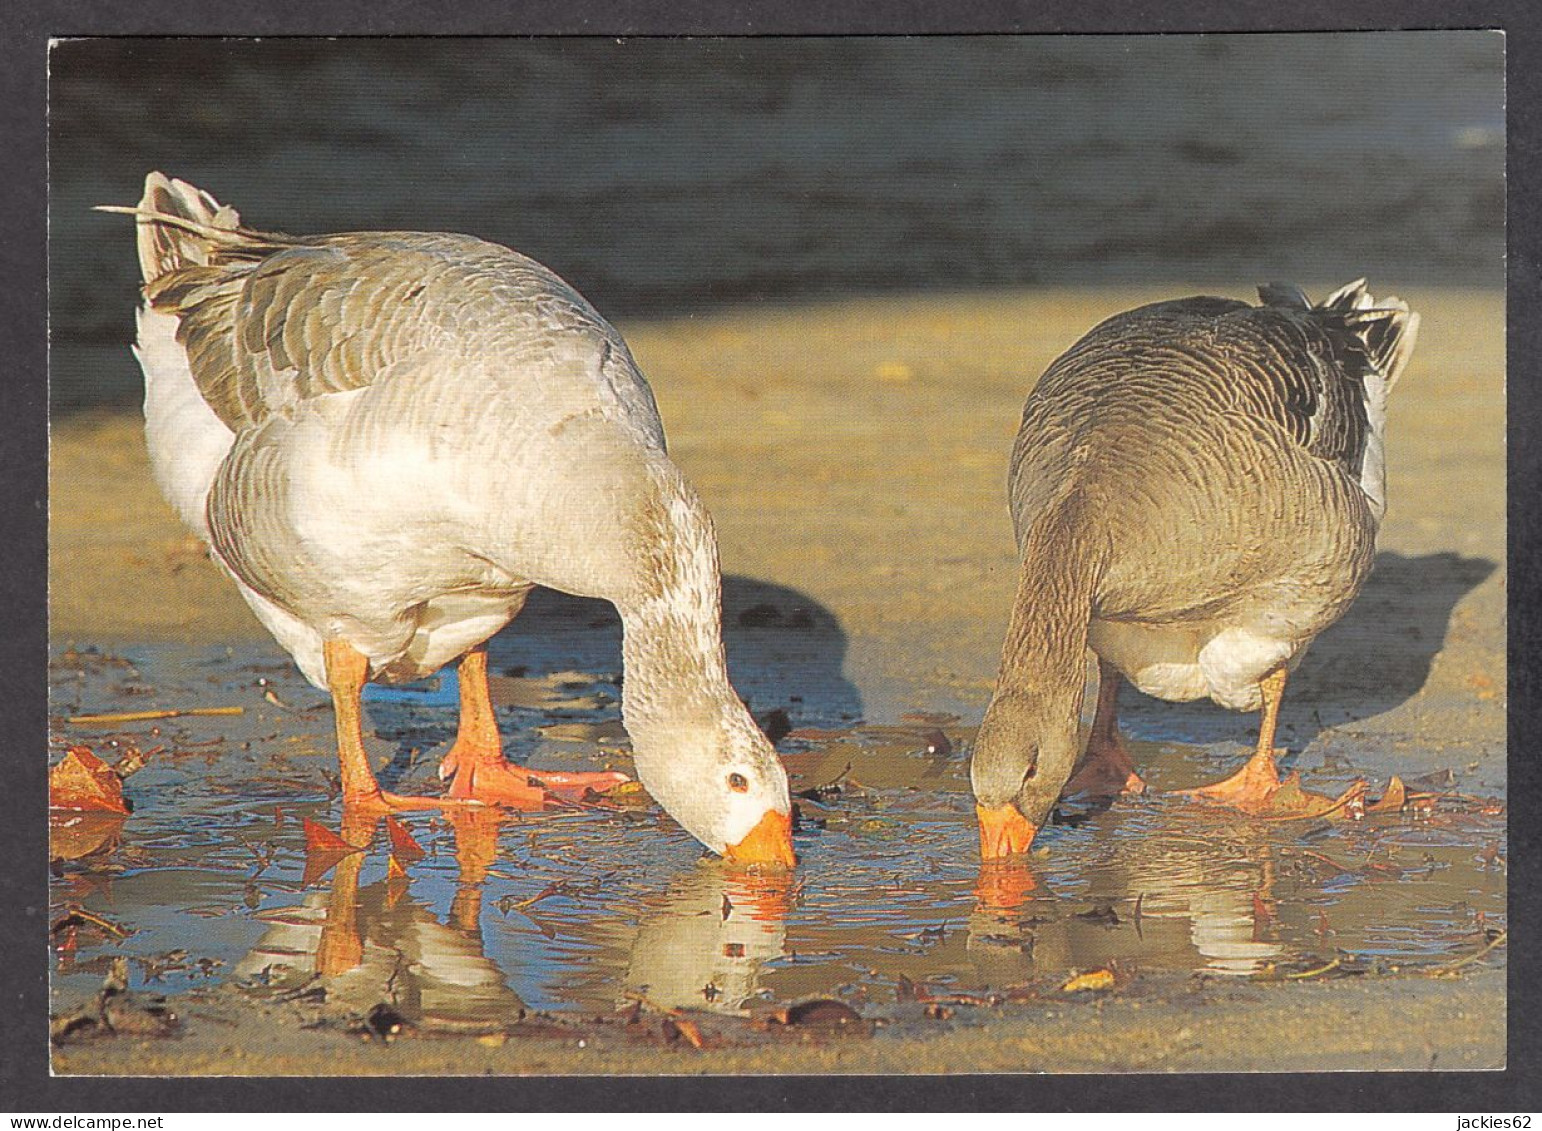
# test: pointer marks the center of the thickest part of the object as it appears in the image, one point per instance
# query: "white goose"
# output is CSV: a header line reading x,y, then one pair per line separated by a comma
x,y
1196,489
389,438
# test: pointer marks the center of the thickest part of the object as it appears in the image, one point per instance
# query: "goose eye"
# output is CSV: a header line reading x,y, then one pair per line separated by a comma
x,y
738,783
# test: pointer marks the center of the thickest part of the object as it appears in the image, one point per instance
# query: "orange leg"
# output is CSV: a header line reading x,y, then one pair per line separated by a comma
x,y
476,760
1106,768
341,945
1251,787
347,669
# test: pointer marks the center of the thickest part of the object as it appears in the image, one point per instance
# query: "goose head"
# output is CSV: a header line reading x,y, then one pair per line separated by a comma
x,y
722,781
698,752
1024,754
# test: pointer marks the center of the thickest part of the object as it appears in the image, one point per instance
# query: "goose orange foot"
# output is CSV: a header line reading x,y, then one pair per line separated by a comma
x,y
1106,771
372,804
1248,790
489,778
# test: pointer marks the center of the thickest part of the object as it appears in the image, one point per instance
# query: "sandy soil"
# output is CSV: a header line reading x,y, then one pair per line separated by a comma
x,y
1397,1024
856,452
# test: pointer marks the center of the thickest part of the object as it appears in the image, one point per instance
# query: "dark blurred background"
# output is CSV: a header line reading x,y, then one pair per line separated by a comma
x,y
662,176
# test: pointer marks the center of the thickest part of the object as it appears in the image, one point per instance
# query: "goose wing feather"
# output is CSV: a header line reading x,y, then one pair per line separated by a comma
x,y
265,333
1221,446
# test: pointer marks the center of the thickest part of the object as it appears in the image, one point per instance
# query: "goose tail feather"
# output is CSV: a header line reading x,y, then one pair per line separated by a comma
x,y
1383,331
180,225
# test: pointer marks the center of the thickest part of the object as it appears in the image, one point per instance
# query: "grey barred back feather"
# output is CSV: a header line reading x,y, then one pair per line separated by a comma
x,y
1218,446
270,320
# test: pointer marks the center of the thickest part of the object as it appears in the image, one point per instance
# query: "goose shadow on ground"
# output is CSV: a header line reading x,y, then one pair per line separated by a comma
x,y
785,650
1373,660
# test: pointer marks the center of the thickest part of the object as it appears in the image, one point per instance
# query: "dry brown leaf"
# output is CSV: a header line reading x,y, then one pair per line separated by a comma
x,y
82,781
1092,980
1435,781
1393,800
319,838
677,1028
402,843
1293,803
820,1012
323,849
74,835
630,794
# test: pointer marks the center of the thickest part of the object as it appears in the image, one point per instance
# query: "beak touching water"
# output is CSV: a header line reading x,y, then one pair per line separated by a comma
x,y
769,842
1003,832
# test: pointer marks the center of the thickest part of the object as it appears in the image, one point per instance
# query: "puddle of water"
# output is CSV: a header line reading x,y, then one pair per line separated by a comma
x,y
572,910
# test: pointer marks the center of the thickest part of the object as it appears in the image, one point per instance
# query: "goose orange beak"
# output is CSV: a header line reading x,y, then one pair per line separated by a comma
x,y
1003,832
769,842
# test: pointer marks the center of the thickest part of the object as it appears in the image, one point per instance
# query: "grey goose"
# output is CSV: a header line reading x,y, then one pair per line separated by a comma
x,y
1196,489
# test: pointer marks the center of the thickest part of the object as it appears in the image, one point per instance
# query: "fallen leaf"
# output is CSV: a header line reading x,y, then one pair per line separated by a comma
x,y
82,781
1293,803
323,850
319,838
819,1012
1435,780
630,794
677,1028
75,835
1092,980
1393,800
402,843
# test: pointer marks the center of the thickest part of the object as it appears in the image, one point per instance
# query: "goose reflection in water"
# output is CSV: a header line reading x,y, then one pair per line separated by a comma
x,y
371,945
1179,899
705,943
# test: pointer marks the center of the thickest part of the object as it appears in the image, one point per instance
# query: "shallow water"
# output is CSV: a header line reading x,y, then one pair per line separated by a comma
x,y
578,909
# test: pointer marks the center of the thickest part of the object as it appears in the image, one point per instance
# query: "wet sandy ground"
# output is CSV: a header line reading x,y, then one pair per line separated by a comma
x,y
854,457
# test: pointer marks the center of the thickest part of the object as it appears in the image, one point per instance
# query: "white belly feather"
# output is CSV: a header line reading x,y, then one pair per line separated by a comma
x,y
1181,662
187,442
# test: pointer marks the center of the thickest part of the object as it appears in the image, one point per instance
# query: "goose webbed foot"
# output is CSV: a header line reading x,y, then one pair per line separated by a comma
x,y
487,777
376,803
1248,790
476,768
1105,771
1251,788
